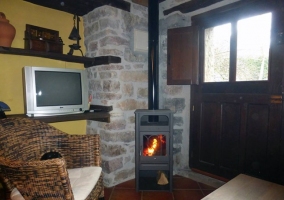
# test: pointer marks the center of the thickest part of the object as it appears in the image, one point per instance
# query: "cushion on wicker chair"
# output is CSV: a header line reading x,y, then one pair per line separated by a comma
x,y
82,182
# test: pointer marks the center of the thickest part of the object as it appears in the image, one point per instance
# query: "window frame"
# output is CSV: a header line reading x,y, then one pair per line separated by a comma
x,y
230,14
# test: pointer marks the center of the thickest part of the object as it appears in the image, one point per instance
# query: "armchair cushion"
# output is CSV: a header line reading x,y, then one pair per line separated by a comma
x,y
82,182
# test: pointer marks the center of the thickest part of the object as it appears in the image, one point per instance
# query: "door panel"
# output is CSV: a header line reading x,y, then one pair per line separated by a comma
x,y
230,137
209,130
256,138
237,133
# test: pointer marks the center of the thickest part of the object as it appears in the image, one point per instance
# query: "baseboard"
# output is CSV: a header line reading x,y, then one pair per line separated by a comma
x,y
210,175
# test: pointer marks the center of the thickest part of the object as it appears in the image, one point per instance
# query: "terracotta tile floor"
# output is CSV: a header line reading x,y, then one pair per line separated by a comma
x,y
183,189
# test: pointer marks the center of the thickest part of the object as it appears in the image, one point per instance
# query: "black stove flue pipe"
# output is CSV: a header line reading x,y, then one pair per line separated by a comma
x,y
153,54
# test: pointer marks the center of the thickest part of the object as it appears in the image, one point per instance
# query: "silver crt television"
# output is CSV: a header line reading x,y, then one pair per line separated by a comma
x,y
54,91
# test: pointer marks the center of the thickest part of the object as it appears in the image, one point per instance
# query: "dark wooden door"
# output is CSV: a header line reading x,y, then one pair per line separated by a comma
x,y
238,127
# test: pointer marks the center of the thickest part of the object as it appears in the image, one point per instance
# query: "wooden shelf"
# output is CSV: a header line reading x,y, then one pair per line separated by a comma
x,y
96,116
88,62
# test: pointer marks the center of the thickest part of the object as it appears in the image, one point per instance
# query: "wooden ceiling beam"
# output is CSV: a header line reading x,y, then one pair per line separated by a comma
x,y
144,2
191,6
81,7
141,2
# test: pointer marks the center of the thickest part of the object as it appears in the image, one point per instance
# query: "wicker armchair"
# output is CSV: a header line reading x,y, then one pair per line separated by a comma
x,y
23,142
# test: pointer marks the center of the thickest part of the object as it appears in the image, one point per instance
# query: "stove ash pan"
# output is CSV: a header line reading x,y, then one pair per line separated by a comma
x,y
153,149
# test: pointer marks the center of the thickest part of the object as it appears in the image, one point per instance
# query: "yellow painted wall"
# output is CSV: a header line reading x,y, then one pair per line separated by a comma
x,y
20,13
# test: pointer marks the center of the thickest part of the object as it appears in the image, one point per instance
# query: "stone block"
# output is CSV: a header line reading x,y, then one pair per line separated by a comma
x,y
130,56
129,21
111,86
128,90
112,165
138,66
113,41
91,29
113,52
115,124
176,149
177,136
108,23
177,121
108,96
114,150
110,67
125,137
142,93
132,104
134,76
108,75
101,12
93,46
172,90
95,85
124,174
175,104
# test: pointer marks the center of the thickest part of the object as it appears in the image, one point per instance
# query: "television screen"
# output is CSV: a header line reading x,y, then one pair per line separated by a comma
x,y
58,88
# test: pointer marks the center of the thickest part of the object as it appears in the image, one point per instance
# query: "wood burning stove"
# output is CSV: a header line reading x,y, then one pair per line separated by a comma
x,y
153,127
153,150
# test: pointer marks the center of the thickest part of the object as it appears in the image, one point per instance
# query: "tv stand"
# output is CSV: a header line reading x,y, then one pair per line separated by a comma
x,y
101,116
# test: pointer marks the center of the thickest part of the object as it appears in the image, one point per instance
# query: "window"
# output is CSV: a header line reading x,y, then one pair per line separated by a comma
x,y
238,50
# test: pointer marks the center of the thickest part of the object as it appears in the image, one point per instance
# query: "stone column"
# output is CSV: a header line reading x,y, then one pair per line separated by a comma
x,y
109,31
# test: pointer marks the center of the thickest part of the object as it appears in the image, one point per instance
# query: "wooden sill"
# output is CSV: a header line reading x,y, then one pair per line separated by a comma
x,y
210,175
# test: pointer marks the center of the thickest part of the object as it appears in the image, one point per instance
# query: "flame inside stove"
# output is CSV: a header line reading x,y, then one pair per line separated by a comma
x,y
151,149
153,144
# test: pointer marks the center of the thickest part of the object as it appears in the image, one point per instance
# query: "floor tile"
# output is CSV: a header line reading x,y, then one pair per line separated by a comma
x,y
184,183
206,192
208,187
2,194
127,184
157,195
188,194
125,194
108,192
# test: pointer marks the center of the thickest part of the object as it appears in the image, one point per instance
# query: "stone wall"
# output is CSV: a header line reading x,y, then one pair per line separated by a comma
x,y
109,31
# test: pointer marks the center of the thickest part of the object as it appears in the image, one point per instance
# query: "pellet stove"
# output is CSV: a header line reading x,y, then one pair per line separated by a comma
x,y
153,150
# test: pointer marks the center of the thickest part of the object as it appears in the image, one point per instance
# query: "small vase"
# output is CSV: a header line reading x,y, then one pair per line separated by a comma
x,y
7,31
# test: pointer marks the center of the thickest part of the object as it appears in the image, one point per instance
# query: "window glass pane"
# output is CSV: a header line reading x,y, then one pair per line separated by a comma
x,y
253,48
217,53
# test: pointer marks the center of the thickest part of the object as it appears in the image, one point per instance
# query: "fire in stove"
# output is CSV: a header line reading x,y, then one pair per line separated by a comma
x,y
154,145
